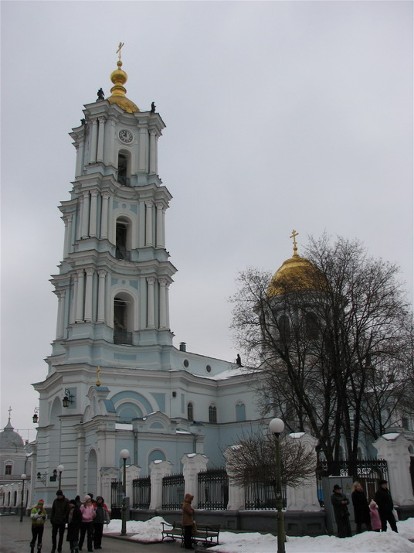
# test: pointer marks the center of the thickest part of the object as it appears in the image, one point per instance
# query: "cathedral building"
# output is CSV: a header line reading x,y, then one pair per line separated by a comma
x,y
115,380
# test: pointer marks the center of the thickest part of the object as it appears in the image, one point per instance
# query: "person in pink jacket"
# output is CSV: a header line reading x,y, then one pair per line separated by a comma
x,y
375,517
88,514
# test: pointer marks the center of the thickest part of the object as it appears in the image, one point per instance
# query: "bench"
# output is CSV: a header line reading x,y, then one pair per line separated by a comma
x,y
206,534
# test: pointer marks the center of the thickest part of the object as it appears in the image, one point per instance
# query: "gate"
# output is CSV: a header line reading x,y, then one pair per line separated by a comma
x,y
367,471
213,489
172,491
141,493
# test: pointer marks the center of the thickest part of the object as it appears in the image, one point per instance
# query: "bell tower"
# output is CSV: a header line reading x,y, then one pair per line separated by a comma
x,y
114,278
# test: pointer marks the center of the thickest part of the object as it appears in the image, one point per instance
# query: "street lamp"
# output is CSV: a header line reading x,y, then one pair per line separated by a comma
x,y
276,427
124,454
23,477
60,469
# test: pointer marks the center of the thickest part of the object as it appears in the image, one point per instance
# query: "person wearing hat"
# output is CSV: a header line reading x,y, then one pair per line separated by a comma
x,y
340,506
88,514
385,506
38,515
58,518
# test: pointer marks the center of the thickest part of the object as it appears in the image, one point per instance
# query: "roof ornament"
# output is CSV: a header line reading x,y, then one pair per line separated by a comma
x,y
120,46
98,375
295,245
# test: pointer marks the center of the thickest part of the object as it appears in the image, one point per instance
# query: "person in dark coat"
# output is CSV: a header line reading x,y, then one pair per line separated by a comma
x,y
385,506
340,506
58,518
361,508
101,517
188,520
74,524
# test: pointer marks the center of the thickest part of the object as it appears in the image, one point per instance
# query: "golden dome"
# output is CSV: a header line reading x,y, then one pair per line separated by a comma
x,y
296,274
119,78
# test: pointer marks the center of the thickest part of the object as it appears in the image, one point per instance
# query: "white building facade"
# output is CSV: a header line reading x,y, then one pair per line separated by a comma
x,y
113,362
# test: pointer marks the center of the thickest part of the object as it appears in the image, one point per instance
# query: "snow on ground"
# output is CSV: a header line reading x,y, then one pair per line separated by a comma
x,y
230,542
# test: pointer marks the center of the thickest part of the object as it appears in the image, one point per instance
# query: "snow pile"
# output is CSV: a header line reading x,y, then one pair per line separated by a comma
x,y
230,542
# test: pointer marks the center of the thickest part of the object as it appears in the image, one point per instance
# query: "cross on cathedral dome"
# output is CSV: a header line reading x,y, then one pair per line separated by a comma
x,y
296,274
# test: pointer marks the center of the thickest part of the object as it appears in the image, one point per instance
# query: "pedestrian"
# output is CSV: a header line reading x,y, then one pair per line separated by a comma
x,y
188,520
88,514
101,518
361,509
340,506
58,518
385,506
374,515
38,515
74,524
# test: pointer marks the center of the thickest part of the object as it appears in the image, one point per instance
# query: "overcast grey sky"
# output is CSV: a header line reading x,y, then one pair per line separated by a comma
x,y
279,115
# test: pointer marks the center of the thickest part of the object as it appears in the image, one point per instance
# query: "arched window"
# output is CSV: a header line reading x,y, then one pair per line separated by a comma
x,y
190,412
240,411
123,169
123,314
311,323
212,414
123,241
284,328
8,469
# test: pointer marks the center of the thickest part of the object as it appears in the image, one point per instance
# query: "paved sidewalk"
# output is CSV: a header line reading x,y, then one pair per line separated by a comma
x,y
15,537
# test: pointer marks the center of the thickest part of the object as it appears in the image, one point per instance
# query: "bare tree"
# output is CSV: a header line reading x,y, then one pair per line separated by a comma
x,y
329,341
252,460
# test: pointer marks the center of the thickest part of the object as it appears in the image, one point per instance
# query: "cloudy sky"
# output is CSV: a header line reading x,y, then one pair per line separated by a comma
x,y
279,115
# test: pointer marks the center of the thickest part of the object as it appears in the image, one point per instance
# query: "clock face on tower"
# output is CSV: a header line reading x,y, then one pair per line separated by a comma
x,y
125,136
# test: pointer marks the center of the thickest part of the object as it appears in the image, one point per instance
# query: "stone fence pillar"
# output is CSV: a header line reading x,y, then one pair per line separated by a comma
x,y
193,463
394,448
158,470
305,496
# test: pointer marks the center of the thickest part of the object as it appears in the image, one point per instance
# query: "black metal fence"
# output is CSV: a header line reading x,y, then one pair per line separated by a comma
x,y
116,498
213,489
367,471
141,493
262,496
172,491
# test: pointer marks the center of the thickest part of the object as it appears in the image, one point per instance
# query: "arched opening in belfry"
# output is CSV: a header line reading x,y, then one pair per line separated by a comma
x,y
123,231
123,319
124,169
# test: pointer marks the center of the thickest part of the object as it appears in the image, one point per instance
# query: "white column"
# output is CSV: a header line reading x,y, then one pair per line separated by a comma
x,y
167,306
153,147
148,225
80,156
60,314
104,218
163,303
70,231
80,487
94,139
160,224
150,302
143,148
85,215
80,297
305,496
79,218
92,221
101,138
72,313
101,296
65,240
88,294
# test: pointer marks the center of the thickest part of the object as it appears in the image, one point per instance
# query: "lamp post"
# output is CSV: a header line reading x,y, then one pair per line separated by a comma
x,y
60,469
276,427
124,454
22,501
